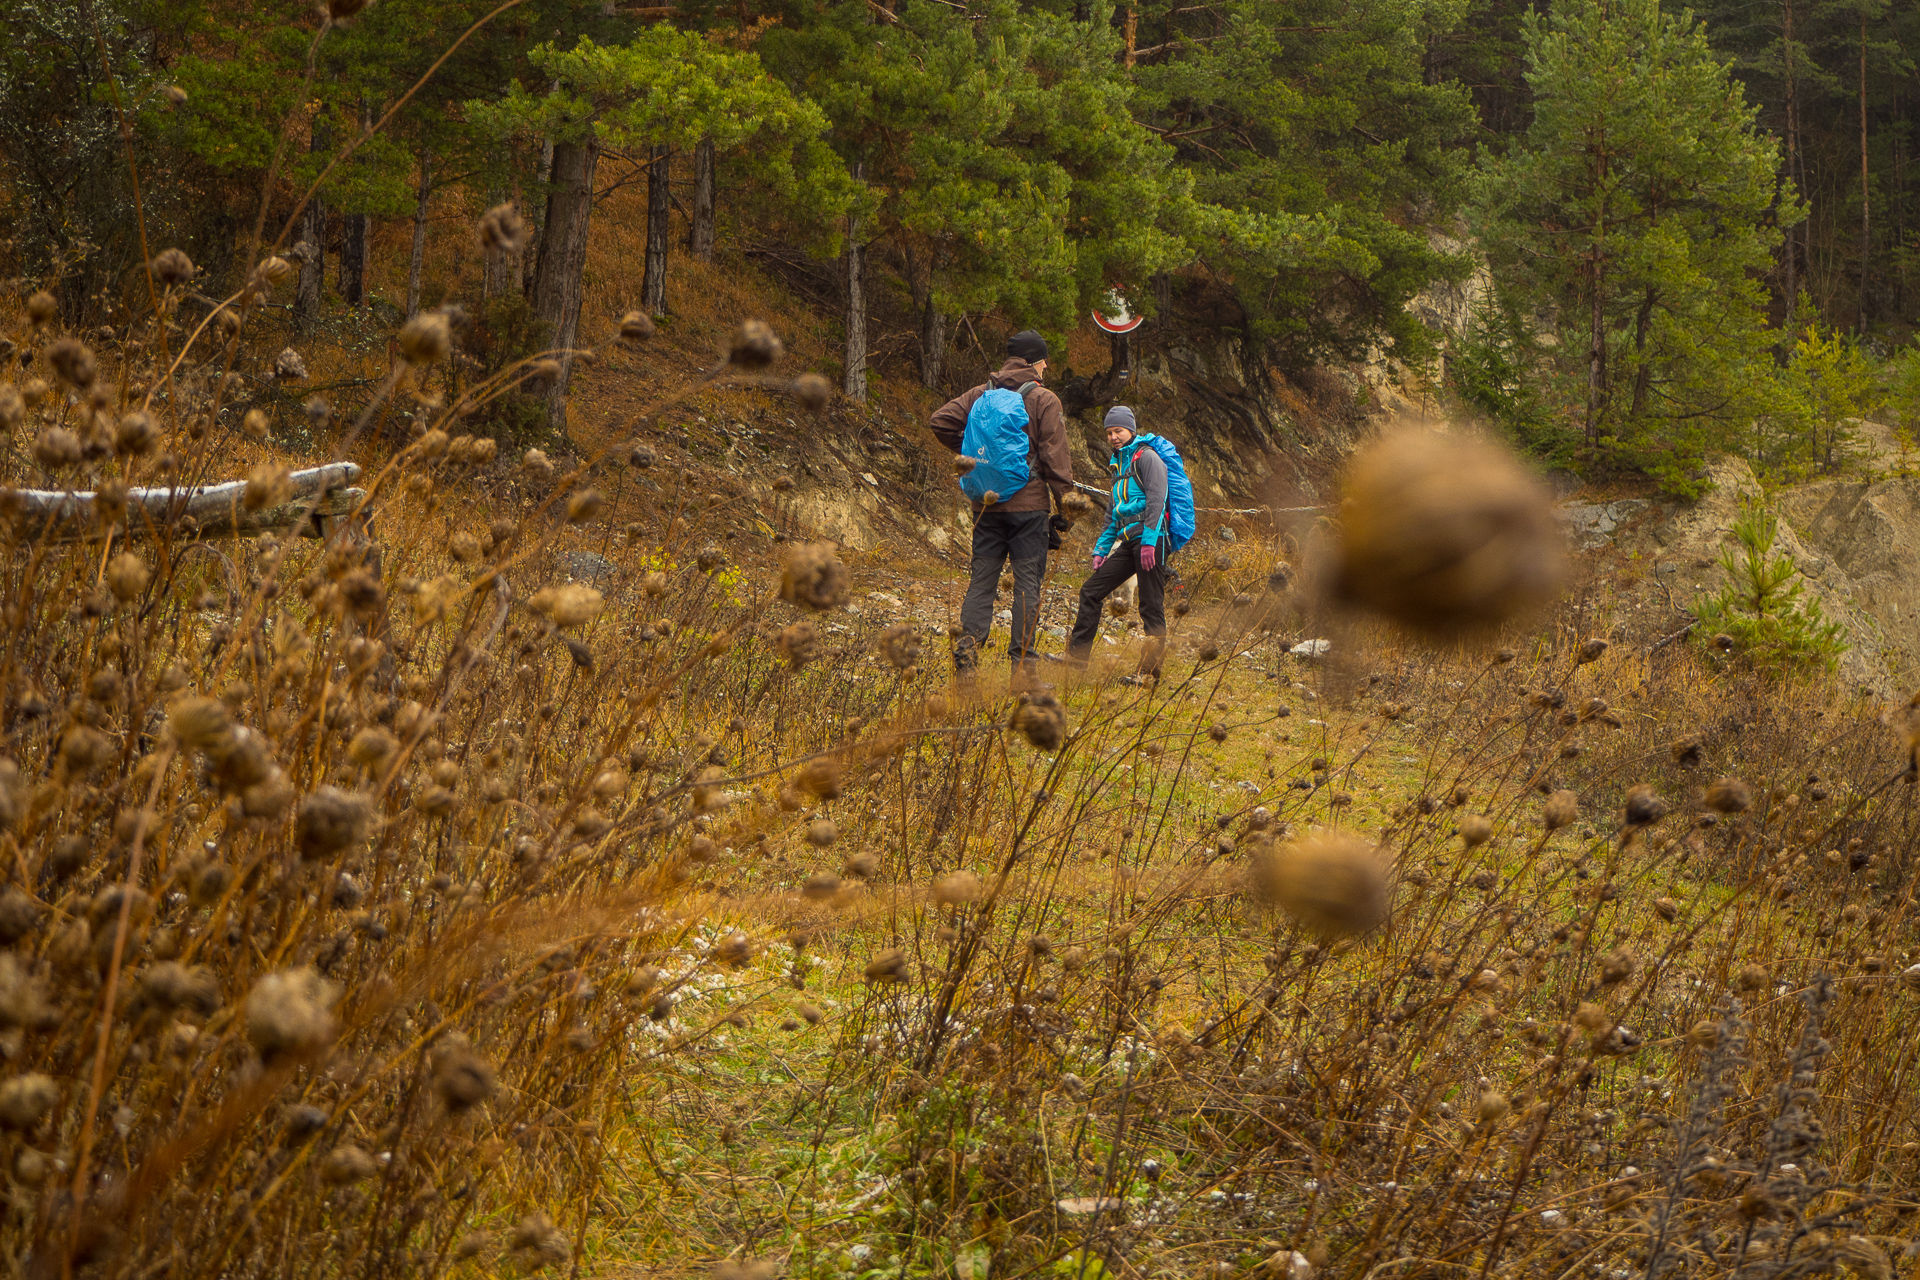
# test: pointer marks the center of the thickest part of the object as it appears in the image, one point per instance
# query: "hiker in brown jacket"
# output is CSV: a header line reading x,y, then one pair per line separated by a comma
x,y
1021,526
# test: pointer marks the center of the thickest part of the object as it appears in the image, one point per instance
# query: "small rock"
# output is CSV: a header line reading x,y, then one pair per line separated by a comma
x,y
585,566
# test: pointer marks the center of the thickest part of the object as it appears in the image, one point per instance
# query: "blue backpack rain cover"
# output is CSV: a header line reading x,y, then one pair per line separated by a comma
x,y
1179,490
996,439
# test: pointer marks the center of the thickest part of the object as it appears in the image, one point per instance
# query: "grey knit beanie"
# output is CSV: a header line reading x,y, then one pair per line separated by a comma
x,y
1121,416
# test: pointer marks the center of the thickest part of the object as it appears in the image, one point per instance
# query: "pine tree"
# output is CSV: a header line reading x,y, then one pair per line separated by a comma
x,y
1762,615
664,87
1638,206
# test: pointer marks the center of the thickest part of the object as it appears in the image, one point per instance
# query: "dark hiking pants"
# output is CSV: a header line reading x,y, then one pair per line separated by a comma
x,y
999,537
1124,563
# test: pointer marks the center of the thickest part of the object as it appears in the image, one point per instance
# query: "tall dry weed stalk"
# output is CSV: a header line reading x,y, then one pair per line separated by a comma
x,y
364,890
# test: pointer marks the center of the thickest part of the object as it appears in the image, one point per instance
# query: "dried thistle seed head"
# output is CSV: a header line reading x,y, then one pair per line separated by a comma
x,y
502,230
822,832
1491,1107
536,464
755,346
734,949
1445,534
815,579
900,645
798,644
171,267
57,448
27,1100
1667,909
347,1164
584,505
1332,883
710,559
127,576
270,272
636,326
463,1079
572,605
19,916
957,888
1749,979
372,747
861,866
268,485
13,407
425,339
84,748
745,1269
1704,1034
1561,809
170,985
1475,829
1042,721
1618,967
291,1012
888,966
820,886
819,777
209,883
1590,651
1729,795
1643,806
1076,505
289,366
962,464
136,436
812,391
73,363
41,308
329,821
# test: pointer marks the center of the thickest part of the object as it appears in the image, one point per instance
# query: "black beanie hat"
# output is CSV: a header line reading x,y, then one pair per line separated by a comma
x,y
1027,345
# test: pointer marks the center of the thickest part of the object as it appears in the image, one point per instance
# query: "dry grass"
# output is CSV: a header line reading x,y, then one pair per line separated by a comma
x,y
400,905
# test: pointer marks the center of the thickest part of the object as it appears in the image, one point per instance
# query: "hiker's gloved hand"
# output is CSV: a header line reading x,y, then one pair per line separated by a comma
x,y
1147,557
1059,524
1097,562
1054,540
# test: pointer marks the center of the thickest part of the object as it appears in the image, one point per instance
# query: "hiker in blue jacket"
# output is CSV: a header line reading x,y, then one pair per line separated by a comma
x,y
1016,529
1133,545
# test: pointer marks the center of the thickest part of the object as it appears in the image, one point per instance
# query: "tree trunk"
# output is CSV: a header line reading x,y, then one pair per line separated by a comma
x,y
1866,199
1643,376
536,239
700,235
313,267
353,259
653,285
563,255
933,345
496,269
417,263
1793,169
855,265
353,244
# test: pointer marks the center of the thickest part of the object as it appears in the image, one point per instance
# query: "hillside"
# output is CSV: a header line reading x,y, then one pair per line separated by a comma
x,y
529,821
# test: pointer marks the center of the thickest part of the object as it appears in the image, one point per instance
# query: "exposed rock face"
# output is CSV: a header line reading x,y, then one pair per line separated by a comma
x,y
1857,545
1868,534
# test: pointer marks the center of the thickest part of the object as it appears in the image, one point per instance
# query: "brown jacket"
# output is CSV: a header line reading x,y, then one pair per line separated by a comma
x,y
1046,426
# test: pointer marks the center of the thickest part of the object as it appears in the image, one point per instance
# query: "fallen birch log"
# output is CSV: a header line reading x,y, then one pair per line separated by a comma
x,y
321,495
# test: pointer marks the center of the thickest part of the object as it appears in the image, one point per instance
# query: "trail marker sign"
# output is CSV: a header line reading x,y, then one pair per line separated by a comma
x,y
1115,316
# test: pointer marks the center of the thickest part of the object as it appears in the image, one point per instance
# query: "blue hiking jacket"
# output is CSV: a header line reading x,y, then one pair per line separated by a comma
x,y
1139,497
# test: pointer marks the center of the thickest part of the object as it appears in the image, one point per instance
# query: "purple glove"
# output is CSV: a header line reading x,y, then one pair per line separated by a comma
x,y
1097,562
1147,555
